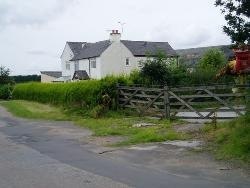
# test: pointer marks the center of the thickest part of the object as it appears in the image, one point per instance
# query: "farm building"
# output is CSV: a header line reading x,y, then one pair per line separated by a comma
x,y
50,76
108,57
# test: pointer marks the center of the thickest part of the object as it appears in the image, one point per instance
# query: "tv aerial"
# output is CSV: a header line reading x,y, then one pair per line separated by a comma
x,y
122,25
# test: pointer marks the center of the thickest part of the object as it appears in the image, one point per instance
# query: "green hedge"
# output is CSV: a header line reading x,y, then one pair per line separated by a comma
x,y
79,94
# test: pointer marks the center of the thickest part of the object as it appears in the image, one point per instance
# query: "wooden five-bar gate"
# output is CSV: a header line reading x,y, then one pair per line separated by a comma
x,y
197,102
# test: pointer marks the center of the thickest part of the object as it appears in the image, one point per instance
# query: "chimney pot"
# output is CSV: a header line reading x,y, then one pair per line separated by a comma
x,y
115,36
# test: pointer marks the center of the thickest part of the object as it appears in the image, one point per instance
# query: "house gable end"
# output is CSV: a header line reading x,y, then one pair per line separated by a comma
x,y
68,50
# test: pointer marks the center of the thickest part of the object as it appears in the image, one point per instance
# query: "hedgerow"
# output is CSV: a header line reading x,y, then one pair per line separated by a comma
x,y
83,94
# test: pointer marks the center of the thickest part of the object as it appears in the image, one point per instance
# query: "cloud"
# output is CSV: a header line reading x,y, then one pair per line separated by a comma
x,y
21,13
179,37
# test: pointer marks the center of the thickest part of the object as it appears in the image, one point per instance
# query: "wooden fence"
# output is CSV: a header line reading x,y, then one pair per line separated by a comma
x,y
198,102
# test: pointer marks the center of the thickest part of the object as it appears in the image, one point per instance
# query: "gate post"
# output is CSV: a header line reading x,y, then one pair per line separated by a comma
x,y
166,103
117,96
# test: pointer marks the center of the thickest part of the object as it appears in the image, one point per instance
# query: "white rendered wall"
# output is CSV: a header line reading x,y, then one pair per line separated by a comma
x,y
113,60
94,73
65,57
84,65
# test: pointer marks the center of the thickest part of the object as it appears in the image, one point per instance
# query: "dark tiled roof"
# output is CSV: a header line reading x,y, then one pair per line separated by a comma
x,y
76,47
92,50
142,48
81,75
55,74
138,48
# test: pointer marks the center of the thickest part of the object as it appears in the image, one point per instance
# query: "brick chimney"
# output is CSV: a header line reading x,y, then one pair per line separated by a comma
x,y
115,36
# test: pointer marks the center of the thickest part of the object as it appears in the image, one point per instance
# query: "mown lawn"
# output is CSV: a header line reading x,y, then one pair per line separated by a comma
x,y
113,124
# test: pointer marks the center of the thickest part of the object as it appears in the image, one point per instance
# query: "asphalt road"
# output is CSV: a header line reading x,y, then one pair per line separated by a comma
x,y
36,154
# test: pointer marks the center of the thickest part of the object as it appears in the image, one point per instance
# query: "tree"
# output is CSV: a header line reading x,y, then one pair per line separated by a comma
x,y
4,75
5,83
155,70
213,59
237,13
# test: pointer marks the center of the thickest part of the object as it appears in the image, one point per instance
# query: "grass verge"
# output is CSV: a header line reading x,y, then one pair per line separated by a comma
x,y
34,110
230,140
113,124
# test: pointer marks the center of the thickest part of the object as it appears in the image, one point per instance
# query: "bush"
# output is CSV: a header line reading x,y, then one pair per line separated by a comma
x,y
155,70
5,91
160,70
213,59
136,78
78,95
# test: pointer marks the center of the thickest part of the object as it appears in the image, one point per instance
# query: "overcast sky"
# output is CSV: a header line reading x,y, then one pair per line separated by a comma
x,y
33,32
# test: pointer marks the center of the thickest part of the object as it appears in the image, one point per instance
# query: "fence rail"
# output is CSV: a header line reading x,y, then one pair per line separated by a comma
x,y
203,101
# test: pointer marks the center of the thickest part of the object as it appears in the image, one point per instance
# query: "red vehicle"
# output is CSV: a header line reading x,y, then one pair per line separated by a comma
x,y
240,66
242,61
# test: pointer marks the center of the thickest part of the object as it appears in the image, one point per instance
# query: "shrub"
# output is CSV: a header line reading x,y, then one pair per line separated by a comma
x,y
136,78
5,91
212,59
97,111
160,70
155,70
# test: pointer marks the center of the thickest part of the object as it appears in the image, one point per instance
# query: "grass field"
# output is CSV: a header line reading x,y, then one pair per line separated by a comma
x,y
113,124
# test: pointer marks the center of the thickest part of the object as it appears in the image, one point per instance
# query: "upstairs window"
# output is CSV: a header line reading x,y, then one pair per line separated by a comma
x,y
67,66
93,63
127,62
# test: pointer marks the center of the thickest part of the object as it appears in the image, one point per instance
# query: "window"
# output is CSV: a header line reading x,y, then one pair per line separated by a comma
x,y
93,63
76,65
67,66
127,61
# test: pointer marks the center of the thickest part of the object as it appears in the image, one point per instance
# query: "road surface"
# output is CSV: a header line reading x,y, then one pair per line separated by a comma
x,y
38,154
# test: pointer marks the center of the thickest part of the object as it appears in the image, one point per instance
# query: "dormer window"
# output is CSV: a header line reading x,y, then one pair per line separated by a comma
x,y
127,63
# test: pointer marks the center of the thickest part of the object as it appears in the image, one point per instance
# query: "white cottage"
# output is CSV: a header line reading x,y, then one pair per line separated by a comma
x,y
108,57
